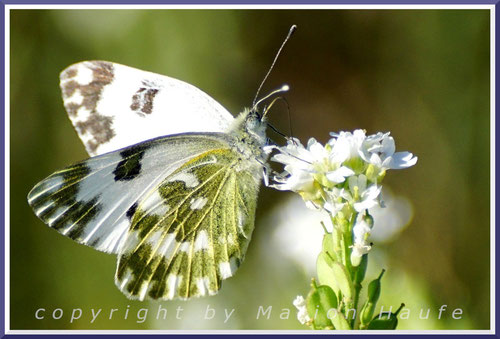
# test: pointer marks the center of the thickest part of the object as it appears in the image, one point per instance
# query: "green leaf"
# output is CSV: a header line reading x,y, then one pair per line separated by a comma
x,y
343,280
326,276
338,320
328,244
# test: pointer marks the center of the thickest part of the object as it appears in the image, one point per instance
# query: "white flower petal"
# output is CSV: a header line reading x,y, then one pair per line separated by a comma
x,y
402,160
269,148
339,175
388,146
365,205
372,192
314,170
317,150
299,301
302,314
362,183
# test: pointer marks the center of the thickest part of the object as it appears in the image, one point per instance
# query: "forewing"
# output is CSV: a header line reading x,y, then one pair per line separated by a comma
x,y
192,231
113,106
93,201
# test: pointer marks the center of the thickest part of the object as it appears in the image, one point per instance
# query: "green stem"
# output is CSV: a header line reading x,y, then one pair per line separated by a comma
x,y
345,255
324,227
357,290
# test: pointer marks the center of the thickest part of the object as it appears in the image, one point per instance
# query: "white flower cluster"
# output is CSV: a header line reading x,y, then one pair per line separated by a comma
x,y
300,304
343,176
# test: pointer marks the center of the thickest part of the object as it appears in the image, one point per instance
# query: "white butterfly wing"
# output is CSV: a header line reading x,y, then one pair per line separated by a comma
x,y
113,106
175,203
178,210
91,201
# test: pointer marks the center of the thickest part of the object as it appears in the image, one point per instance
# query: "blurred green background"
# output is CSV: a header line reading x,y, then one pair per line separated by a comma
x,y
423,75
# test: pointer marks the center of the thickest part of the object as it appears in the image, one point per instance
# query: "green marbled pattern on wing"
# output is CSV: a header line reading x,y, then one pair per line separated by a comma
x,y
192,232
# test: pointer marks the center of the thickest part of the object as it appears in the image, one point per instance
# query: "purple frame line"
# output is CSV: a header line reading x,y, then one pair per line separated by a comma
x,y
230,335
497,96
362,2
2,174
253,2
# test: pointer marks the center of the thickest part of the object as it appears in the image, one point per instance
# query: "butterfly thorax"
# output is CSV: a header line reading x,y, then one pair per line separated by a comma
x,y
249,131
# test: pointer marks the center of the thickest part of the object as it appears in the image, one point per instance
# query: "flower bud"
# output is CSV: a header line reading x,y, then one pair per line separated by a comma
x,y
385,320
355,259
359,276
368,219
340,221
371,173
361,232
374,288
373,295
366,314
336,240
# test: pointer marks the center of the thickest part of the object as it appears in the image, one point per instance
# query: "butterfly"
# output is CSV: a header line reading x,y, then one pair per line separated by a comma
x,y
170,188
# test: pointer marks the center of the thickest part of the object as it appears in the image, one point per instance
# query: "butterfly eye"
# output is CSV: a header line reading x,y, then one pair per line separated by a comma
x,y
253,115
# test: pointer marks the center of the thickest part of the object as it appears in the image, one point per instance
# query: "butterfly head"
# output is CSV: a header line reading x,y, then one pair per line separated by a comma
x,y
255,123
250,128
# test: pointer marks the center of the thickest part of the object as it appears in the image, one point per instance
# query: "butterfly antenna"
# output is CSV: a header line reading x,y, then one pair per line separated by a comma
x,y
290,32
277,131
272,103
283,88
292,138
289,118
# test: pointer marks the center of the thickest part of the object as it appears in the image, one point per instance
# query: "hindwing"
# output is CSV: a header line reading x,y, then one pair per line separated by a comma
x,y
192,231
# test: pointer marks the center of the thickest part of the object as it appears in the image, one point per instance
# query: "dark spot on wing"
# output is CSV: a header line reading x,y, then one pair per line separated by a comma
x,y
72,108
69,88
97,126
136,262
102,76
68,73
159,285
64,210
64,193
142,100
86,212
130,166
131,210
91,145
95,242
144,223
146,267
